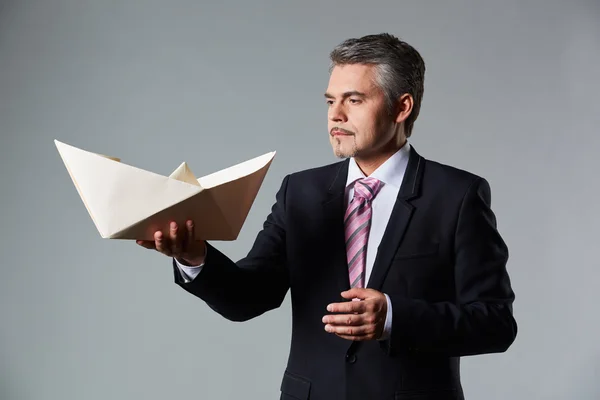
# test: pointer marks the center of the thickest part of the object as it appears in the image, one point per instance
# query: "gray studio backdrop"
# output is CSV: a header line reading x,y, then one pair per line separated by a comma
x,y
511,94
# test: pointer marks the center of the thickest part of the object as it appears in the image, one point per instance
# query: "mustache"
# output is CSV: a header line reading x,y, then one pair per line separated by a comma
x,y
345,131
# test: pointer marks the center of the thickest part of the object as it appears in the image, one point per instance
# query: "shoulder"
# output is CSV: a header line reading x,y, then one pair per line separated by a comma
x,y
320,174
321,170
447,178
450,172
315,183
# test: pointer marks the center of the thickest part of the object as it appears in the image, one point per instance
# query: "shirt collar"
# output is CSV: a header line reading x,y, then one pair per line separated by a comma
x,y
391,172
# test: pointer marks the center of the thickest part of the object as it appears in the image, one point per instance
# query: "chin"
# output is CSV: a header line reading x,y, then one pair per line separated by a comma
x,y
343,152
343,148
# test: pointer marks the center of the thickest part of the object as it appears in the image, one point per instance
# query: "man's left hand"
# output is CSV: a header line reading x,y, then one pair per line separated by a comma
x,y
358,320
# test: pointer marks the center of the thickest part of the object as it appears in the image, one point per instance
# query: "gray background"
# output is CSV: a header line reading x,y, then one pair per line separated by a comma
x,y
511,94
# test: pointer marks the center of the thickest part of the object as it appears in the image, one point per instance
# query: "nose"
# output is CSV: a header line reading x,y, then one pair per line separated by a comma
x,y
337,113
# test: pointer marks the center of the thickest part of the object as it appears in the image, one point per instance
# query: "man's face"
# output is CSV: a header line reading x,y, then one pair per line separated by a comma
x,y
359,123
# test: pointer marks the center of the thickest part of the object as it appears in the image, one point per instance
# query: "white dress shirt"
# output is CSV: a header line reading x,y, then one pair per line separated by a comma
x,y
391,174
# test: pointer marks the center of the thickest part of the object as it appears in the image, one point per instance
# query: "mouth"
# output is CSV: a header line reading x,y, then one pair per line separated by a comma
x,y
337,132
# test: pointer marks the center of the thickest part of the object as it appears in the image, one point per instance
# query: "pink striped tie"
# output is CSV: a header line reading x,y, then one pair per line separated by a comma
x,y
357,223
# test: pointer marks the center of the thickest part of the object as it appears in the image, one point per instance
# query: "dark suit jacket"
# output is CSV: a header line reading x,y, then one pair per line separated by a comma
x,y
441,261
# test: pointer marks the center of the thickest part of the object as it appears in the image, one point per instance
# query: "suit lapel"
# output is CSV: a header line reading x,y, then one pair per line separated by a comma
x,y
334,208
399,220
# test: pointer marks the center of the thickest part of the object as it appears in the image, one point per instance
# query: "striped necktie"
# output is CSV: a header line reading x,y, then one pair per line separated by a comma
x,y
357,222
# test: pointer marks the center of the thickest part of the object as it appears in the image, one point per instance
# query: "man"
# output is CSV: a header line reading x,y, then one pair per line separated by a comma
x,y
394,263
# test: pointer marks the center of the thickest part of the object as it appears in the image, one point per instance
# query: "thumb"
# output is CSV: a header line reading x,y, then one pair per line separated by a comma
x,y
357,293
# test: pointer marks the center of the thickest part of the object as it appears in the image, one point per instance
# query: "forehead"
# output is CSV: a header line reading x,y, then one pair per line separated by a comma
x,y
352,77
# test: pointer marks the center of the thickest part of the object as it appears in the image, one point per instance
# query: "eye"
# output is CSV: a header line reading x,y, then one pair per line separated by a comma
x,y
354,101
329,102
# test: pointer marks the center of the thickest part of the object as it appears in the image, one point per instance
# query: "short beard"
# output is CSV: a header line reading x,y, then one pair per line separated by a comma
x,y
337,149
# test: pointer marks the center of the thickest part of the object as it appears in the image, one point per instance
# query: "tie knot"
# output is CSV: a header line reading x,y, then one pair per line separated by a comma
x,y
367,188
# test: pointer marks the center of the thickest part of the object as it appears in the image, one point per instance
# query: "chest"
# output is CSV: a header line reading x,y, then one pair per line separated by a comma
x,y
409,247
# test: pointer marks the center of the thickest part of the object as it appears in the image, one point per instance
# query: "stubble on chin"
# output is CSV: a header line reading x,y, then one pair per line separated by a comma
x,y
344,151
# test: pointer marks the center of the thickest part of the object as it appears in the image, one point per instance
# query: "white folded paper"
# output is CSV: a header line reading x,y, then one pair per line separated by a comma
x,y
126,202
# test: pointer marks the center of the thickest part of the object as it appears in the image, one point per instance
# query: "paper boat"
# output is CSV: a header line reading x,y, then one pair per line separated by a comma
x,y
126,202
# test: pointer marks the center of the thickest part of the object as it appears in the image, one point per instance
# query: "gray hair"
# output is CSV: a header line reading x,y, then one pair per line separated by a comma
x,y
399,68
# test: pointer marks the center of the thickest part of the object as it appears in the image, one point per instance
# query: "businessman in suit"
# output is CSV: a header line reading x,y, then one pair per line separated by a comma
x,y
394,263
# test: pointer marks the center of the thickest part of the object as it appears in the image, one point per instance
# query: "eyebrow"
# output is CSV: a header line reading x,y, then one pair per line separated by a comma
x,y
346,94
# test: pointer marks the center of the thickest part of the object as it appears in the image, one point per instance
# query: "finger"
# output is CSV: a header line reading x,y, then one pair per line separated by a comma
x,y
160,242
191,235
357,338
357,293
357,331
345,319
148,244
173,238
347,307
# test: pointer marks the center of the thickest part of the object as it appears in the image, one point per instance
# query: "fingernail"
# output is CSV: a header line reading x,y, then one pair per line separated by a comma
x,y
329,308
324,319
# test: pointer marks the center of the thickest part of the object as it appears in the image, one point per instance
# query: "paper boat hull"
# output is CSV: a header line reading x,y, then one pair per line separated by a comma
x,y
209,222
218,213
126,202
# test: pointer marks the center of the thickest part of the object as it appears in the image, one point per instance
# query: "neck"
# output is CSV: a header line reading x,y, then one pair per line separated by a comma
x,y
369,163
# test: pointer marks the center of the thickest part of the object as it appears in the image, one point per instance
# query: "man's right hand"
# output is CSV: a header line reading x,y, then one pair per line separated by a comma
x,y
180,244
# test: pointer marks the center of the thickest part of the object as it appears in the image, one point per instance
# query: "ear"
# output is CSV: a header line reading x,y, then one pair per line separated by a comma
x,y
404,107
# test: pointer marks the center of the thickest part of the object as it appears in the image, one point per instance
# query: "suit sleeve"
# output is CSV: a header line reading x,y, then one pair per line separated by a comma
x,y
255,284
481,320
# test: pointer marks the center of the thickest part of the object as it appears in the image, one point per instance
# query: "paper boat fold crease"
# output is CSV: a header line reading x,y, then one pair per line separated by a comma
x,y
127,202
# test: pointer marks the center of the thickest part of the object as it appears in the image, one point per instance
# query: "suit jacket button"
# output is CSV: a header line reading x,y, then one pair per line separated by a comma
x,y
351,358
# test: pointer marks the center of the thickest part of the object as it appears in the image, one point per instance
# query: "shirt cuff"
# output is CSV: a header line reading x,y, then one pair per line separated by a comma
x,y
387,328
190,272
